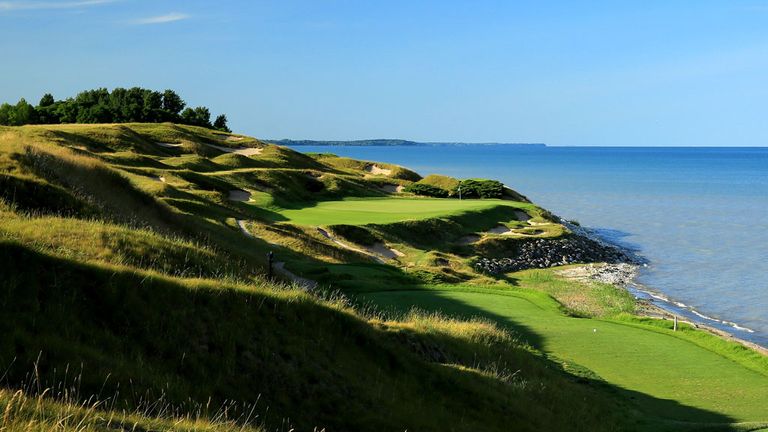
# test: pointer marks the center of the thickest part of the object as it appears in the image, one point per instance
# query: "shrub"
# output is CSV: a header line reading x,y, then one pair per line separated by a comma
x,y
426,190
478,188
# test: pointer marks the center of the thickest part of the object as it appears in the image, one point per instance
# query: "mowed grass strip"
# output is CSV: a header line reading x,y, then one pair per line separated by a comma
x,y
634,357
386,210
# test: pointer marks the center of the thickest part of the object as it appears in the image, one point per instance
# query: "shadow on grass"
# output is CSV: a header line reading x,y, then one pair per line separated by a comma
x,y
662,414
196,344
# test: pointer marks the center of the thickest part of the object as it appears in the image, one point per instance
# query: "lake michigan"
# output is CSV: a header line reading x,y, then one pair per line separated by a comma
x,y
699,215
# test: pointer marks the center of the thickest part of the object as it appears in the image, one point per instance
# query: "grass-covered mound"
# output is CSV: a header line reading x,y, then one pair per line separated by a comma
x,y
134,260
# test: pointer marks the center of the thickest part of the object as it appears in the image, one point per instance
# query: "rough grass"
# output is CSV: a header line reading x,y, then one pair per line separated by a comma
x,y
191,340
702,371
441,181
97,251
358,166
585,299
20,412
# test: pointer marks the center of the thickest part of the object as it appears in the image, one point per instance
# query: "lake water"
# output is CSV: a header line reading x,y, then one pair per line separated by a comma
x,y
699,215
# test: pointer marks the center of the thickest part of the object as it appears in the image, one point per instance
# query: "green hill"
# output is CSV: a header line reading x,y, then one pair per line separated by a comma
x,y
135,296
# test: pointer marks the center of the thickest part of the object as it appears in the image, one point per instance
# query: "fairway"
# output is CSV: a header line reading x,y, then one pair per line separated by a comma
x,y
386,210
634,358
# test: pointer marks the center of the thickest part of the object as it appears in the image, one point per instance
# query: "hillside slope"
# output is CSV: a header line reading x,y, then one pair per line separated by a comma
x,y
134,262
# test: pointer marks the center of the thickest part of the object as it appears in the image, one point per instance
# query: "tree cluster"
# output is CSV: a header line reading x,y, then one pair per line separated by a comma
x,y
119,106
426,190
480,188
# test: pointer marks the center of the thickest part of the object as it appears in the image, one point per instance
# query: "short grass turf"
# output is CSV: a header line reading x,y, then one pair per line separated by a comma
x,y
641,359
385,210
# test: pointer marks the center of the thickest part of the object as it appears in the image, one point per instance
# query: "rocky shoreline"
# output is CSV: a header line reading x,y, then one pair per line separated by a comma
x,y
574,249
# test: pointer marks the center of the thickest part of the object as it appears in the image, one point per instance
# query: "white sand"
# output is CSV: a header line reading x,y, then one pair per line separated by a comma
x,y
244,229
245,151
239,195
169,145
522,216
470,239
501,229
372,252
377,170
226,137
385,251
392,188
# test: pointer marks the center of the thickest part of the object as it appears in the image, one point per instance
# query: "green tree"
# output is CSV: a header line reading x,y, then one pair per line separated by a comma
x,y
221,123
92,106
66,111
203,115
199,116
24,113
46,101
153,106
172,102
6,114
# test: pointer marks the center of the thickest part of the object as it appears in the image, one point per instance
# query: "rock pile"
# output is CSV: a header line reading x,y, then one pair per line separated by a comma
x,y
543,253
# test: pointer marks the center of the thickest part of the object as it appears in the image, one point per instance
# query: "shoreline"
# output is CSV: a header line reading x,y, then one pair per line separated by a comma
x,y
624,276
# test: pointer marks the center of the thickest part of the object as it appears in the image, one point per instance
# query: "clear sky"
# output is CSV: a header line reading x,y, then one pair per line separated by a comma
x,y
665,72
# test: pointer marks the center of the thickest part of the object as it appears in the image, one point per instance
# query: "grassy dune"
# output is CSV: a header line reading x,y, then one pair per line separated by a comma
x,y
135,255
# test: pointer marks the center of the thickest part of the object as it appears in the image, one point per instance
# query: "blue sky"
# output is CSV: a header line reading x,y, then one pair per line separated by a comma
x,y
648,72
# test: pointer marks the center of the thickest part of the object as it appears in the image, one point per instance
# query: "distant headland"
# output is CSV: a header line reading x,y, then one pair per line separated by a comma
x,y
389,142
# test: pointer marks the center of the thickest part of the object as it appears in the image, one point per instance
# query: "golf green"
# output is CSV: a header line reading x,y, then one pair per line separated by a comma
x,y
386,210
634,358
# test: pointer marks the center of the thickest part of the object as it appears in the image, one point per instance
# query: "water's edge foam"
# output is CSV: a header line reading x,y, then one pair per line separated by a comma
x,y
655,296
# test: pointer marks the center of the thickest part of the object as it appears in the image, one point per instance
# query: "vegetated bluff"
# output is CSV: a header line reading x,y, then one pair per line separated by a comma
x,y
132,272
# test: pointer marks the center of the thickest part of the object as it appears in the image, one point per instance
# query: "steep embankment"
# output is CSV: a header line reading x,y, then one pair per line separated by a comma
x,y
101,228
134,259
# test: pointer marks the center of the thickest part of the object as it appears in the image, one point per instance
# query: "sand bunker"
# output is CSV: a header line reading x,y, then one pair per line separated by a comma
x,y
522,216
378,249
169,145
243,228
226,137
470,239
385,251
532,223
239,195
392,188
501,229
245,151
377,170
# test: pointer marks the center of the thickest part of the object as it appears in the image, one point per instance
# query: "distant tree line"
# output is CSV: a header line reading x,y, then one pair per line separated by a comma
x,y
122,105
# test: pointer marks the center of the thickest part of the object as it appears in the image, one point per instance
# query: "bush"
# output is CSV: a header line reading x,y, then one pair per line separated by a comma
x,y
426,190
480,189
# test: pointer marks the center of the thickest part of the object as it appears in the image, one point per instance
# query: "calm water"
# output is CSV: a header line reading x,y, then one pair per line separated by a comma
x,y
700,215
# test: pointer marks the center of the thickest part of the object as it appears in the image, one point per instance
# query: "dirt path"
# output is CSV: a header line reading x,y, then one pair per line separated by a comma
x,y
279,266
298,280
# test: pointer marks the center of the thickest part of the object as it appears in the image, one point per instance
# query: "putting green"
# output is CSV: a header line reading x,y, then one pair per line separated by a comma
x,y
386,210
632,357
